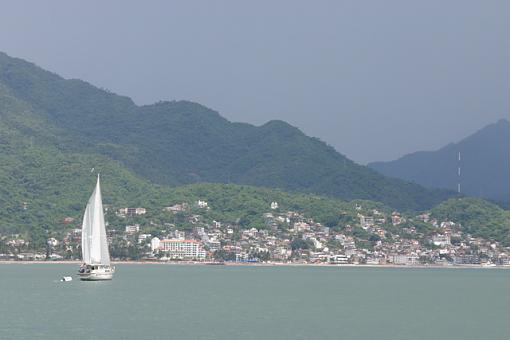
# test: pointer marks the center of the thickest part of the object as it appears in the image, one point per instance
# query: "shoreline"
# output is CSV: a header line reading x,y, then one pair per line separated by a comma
x,y
273,264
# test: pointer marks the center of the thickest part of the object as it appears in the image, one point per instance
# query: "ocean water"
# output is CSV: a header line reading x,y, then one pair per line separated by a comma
x,y
250,302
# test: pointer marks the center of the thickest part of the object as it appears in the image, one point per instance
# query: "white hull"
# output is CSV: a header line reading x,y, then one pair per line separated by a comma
x,y
100,274
96,276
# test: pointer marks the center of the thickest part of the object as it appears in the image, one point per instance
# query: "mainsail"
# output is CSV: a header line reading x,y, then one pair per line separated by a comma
x,y
94,247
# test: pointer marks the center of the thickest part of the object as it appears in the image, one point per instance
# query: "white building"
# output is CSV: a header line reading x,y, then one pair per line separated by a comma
x,y
17,242
366,221
177,208
56,257
316,243
441,240
404,259
250,233
155,242
301,226
282,253
274,205
132,211
182,249
52,242
180,235
214,245
143,237
339,259
396,219
202,204
132,229
447,224
283,219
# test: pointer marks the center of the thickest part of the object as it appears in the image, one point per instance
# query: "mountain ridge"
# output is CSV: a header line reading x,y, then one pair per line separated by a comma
x,y
484,163
181,142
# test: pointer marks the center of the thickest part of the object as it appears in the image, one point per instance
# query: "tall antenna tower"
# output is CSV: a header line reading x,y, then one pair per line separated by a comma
x,y
459,174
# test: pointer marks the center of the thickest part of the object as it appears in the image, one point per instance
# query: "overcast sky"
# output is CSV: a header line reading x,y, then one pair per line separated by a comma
x,y
375,79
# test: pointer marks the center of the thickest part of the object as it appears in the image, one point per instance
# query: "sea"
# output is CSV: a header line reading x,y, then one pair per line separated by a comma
x,y
164,301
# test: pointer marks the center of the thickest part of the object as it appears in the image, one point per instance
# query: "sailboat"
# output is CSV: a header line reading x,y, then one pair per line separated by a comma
x,y
94,246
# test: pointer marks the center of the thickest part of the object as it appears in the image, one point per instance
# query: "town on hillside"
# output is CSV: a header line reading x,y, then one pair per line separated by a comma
x,y
370,237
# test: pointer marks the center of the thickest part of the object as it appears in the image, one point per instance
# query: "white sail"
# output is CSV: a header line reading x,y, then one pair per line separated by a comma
x,y
85,236
94,245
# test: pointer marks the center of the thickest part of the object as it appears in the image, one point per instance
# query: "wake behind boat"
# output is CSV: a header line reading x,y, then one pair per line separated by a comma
x,y
94,246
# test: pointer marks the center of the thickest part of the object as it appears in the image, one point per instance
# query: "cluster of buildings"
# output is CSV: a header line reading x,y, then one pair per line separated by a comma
x,y
370,237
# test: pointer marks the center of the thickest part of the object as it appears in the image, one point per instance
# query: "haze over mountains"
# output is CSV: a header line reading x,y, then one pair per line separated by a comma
x,y
485,164
171,143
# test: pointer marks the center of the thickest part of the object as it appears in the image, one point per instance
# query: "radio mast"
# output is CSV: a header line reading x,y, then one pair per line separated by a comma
x,y
459,174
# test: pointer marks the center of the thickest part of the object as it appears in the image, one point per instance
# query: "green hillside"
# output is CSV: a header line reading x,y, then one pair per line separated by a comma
x,y
52,183
43,180
38,174
179,142
477,217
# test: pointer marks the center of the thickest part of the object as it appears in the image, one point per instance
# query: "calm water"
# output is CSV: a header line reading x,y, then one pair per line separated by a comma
x,y
226,302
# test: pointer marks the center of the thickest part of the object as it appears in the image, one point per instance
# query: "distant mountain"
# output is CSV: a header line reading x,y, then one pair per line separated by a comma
x,y
172,143
485,164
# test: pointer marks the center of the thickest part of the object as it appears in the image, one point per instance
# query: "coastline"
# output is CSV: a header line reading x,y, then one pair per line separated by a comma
x,y
272,264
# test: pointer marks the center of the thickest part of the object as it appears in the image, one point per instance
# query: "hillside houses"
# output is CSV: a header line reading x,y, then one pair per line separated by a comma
x,y
186,232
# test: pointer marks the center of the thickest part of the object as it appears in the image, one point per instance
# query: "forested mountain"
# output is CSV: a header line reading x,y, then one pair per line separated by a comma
x,y
484,162
52,125
42,181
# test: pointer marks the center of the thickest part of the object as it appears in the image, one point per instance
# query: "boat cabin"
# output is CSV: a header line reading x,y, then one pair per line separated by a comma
x,y
87,268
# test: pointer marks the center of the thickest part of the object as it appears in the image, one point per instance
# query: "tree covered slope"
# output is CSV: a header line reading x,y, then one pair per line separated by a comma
x,y
180,142
478,218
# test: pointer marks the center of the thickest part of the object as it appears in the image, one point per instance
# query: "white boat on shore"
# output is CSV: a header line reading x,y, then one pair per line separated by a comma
x,y
94,245
489,265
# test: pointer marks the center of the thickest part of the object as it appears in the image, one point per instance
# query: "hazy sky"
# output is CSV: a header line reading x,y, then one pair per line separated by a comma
x,y
375,79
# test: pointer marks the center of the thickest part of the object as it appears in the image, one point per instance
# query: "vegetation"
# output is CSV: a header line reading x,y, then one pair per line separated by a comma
x,y
477,217
176,143
56,134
